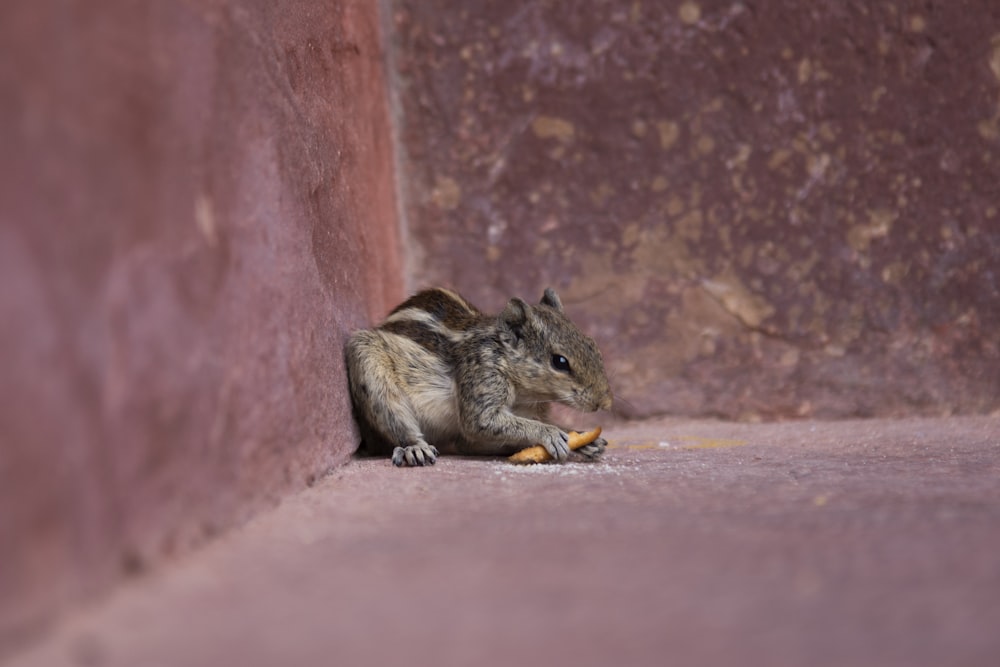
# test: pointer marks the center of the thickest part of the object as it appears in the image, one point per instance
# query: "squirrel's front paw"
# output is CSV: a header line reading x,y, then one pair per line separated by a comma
x,y
420,454
556,443
594,450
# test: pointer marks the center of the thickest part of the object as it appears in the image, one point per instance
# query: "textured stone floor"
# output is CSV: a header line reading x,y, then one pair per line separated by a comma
x,y
862,543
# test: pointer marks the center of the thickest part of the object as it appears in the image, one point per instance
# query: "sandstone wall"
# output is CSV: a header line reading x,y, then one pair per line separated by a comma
x,y
760,209
196,205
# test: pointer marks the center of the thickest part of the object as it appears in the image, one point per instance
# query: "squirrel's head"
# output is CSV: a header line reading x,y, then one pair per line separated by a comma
x,y
553,360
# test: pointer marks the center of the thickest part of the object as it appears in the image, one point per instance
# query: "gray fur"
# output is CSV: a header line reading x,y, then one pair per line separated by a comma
x,y
439,375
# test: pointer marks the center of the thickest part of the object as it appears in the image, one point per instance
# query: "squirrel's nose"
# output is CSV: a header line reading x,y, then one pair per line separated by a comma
x,y
605,403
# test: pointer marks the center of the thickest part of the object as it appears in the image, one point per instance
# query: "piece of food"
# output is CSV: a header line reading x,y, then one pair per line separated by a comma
x,y
538,454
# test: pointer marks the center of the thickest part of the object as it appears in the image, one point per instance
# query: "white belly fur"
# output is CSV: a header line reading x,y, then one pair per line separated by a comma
x,y
426,381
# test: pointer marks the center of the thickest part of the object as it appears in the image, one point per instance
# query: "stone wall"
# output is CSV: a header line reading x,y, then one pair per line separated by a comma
x,y
196,204
760,209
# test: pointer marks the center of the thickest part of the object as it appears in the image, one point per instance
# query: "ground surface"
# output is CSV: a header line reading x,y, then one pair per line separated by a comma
x,y
861,543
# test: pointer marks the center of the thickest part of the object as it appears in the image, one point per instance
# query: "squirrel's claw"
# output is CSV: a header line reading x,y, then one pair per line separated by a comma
x,y
415,455
594,450
557,444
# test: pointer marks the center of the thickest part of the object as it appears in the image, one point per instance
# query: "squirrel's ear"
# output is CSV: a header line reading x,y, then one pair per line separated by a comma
x,y
515,314
550,298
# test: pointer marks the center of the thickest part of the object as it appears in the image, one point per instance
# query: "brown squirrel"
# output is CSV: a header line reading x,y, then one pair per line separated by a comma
x,y
439,375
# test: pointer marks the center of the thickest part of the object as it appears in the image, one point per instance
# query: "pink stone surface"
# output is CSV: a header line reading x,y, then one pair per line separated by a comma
x,y
196,206
760,210
809,543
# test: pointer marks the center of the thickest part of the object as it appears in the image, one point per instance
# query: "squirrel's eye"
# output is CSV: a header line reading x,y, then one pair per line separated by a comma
x,y
560,363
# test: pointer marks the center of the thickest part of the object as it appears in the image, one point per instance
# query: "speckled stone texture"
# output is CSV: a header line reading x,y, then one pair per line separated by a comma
x,y
869,543
760,209
196,205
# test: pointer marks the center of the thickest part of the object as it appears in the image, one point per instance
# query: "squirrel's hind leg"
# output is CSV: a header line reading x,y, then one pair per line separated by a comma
x,y
382,404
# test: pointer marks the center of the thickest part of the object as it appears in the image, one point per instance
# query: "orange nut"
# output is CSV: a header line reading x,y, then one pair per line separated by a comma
x,y
538,454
